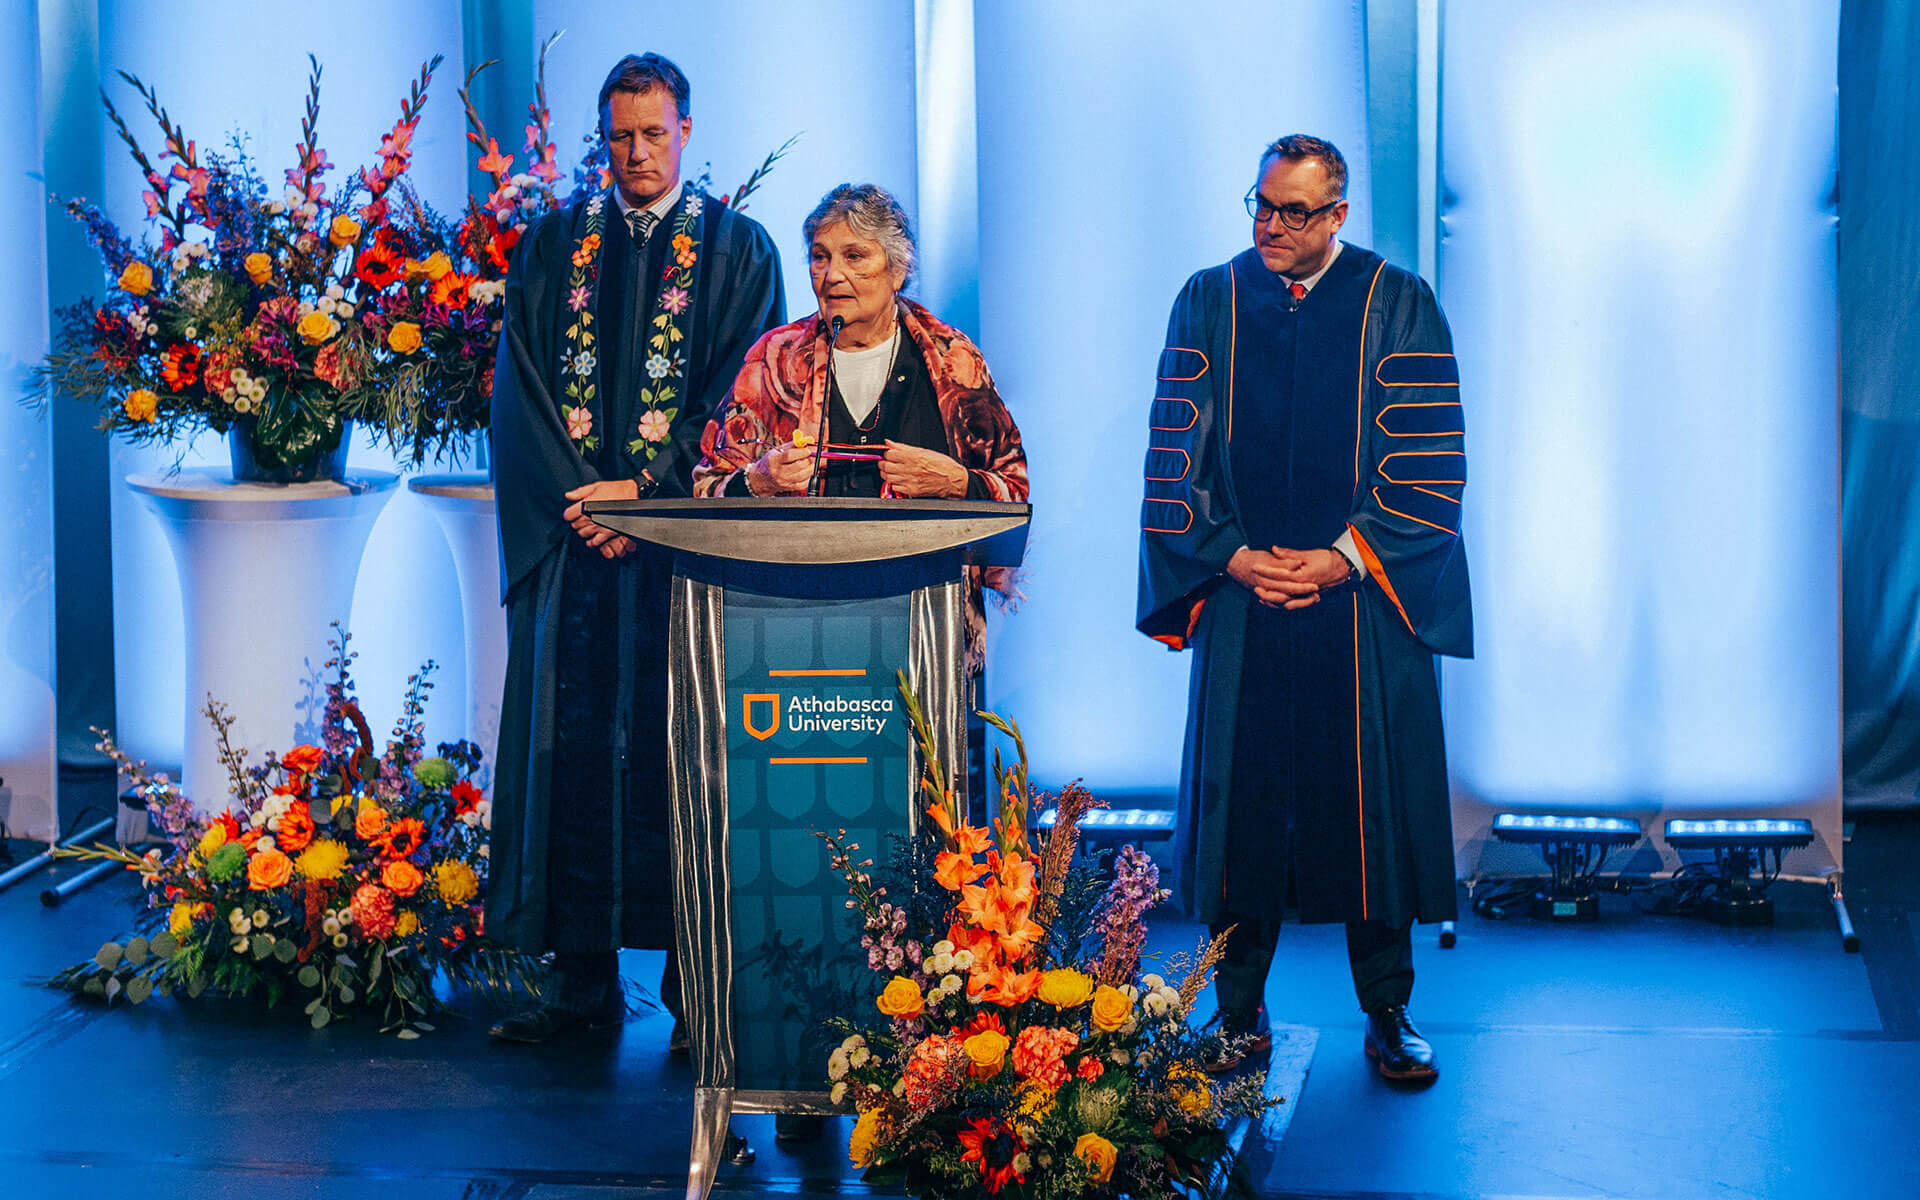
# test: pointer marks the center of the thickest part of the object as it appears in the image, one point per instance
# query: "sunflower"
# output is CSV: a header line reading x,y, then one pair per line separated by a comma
x,y
180,366
451,289
997,1148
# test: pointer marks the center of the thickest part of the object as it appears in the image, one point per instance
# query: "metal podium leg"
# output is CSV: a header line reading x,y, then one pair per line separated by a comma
x,y
712,1115
936,671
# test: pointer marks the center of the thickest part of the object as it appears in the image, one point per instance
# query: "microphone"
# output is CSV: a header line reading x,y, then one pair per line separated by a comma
x,y
820,441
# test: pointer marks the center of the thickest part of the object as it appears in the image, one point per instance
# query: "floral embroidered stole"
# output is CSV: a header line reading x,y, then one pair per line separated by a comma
x,y
668,341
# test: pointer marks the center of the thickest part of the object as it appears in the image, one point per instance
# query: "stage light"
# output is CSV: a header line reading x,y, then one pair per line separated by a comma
x,y
1575,847
1740,848
1148,820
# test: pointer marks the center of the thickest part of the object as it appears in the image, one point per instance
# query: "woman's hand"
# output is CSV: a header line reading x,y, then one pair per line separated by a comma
x,y
783,470
599,537
913,472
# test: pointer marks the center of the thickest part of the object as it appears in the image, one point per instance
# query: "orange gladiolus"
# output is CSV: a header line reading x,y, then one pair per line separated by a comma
x,y
954,871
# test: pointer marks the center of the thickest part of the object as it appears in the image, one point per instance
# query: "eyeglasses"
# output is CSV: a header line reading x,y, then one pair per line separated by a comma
x,y
1292,215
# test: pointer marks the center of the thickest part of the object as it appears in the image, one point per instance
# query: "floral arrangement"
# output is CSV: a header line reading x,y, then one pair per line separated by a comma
x,y
339,877
245,312
1020,1051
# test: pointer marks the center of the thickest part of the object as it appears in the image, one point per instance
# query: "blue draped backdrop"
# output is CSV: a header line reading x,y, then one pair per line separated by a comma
x,y
1637,210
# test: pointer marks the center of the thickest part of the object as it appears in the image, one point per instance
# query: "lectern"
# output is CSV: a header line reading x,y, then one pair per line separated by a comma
x,y
791,618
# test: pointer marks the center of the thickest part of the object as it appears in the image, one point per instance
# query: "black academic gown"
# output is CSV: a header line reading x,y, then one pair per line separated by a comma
x,y
579,845
1313,737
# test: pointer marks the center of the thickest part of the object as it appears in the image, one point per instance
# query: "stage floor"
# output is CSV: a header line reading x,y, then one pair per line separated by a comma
x,y
1642,1057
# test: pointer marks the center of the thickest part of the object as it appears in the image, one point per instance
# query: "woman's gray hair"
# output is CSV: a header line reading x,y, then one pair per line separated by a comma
x,y
870,211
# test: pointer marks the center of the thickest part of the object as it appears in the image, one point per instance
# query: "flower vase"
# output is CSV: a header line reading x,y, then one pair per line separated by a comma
x,y
255,463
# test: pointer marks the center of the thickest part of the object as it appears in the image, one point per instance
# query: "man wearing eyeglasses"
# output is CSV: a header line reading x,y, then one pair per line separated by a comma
x,y
1300,533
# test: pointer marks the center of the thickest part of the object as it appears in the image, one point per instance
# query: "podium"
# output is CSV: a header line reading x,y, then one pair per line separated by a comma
x,y
790,620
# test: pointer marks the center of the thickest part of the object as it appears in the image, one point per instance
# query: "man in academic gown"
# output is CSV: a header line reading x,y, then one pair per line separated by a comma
x,y
1301,533
627,318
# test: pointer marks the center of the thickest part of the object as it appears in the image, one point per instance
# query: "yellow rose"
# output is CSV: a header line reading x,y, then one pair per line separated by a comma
x,y
406,925
1099,1155
141,405
137,279
404,337
456,882
322,861
413,269
437,264
986,1051
860,1144
214,838
180,920
344,231
1065,988
1111,1009
259,267
315,327
902,998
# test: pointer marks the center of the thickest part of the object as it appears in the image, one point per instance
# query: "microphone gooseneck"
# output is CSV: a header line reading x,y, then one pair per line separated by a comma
x,y
815,480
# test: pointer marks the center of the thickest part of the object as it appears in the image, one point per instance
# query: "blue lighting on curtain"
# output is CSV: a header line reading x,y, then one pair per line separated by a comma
x,y
1103,186
26,480
1638,260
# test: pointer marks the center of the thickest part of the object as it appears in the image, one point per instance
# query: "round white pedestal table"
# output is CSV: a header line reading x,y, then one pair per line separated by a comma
x,y
264,569
464,506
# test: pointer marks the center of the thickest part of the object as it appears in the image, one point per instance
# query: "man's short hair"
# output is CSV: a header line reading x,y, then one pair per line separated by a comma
x,y
641,73
1296,146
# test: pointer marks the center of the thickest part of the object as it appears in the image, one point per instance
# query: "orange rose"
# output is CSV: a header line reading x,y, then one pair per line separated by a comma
x,y
259,267
137,279
401,877
302,759
404,337
370,823
344,231
902,998
268,869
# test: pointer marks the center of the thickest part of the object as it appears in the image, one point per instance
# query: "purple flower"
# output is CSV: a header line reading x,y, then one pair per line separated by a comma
x,y
577,299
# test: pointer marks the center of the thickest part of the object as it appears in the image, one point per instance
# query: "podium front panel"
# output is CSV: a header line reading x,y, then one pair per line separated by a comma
x,y
788,721
816,741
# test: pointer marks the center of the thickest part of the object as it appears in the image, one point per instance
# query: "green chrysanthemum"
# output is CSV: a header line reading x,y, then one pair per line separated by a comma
x,y
226,862
436,773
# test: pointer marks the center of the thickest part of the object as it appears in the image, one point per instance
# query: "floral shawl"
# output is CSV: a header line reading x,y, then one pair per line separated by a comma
x,y
783,385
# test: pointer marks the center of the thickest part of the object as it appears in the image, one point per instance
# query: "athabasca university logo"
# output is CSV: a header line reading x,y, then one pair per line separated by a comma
x,y
772,724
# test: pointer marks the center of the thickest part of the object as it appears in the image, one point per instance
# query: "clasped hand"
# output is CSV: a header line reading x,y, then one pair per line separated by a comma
x,y
597,536
1283,578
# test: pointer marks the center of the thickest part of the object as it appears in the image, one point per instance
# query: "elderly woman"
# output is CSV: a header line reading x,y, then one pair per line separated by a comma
x,y
898,404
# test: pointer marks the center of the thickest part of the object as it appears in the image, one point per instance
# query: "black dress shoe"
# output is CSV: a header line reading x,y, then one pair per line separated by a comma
x,y
1396,1047
548,1021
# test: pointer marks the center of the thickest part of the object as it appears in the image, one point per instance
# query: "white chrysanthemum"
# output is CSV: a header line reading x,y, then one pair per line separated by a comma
x,y
838,1093
963,960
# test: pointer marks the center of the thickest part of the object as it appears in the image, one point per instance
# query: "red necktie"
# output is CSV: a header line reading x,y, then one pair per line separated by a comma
x,y
1299,291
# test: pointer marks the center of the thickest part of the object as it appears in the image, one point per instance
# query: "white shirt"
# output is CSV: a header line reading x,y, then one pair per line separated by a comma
x,y
1344,543
862,375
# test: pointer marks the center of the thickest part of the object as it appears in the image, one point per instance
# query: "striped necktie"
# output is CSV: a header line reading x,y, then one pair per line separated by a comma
x,y
640,223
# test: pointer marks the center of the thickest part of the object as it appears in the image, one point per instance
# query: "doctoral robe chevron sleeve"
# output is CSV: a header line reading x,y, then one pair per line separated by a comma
x,y
1188,526
1410,468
